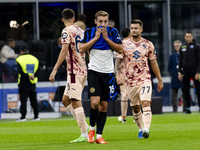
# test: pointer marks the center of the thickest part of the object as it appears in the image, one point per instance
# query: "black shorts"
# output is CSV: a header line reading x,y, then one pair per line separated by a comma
x,y
102,84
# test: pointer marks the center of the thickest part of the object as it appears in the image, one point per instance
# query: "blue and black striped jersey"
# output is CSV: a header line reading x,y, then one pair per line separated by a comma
x,y
101,43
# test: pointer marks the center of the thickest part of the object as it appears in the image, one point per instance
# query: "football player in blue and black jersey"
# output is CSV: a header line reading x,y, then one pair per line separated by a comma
x,y
100,41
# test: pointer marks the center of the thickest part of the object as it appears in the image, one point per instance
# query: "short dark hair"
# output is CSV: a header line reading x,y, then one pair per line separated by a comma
x,y
82,17
189,32
9,40
24,48
125,32
137,21
68,13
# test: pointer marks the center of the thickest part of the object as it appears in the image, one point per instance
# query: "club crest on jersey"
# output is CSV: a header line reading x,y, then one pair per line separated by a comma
x,y
191,46
64,35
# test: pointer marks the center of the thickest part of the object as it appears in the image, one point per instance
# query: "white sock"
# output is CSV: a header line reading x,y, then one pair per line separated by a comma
x,y
92,128
80,118
71,109
99,135
140,130
84,134
146,129
147,116
87,125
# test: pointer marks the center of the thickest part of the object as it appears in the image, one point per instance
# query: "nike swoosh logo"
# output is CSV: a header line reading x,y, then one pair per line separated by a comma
x,y
10,97
42,96
147,114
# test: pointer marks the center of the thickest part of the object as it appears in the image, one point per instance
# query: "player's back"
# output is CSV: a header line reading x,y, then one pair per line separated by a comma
x,y
75,61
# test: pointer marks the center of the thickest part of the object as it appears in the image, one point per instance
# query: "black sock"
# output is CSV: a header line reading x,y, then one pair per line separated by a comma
x,y
93,116
101,122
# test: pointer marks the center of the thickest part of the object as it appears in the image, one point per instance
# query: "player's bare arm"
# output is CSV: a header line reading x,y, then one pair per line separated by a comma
x,y
117,71
61,58
114,46
84,47
156,71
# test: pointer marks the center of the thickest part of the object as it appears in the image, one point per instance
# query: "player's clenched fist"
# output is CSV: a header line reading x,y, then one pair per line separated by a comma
x,y
52,76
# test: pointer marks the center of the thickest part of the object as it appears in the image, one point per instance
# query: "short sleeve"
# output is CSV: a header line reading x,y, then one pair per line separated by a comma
x,y
86,36
116,36
65,37
152,55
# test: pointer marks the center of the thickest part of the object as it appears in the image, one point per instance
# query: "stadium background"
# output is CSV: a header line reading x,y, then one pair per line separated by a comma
x,y
38,23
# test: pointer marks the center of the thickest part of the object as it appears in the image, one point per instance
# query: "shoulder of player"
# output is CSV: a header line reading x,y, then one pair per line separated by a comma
x,y
125,41
88,30
147,42
112,30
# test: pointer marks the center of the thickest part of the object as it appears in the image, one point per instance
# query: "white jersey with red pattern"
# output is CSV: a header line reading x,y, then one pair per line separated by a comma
x,y
136,56
76,64
122,65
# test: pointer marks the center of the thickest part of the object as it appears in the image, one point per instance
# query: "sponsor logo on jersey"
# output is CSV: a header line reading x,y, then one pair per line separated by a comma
x,y
136,54
130,48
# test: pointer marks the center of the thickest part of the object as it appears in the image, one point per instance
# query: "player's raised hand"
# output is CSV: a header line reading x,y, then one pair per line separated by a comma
x,y
97,34
52,76
104,32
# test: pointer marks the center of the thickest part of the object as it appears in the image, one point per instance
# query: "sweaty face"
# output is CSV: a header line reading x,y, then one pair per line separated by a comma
x,y
101,21
135,30
188,37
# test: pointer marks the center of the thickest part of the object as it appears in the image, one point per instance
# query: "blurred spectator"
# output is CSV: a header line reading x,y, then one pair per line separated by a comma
x,y
126,33
173,70
81,21
111,23
8,56
56,50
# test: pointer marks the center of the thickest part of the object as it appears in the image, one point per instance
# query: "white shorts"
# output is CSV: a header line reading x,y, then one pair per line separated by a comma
x,y
74,88
139,93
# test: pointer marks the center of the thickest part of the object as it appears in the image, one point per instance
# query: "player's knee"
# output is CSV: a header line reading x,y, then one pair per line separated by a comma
x,y
95,105
145,103
65,101
76,103
95,102
103,108
136,109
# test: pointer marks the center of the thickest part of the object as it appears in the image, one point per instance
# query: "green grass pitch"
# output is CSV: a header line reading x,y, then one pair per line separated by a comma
x,y
169,131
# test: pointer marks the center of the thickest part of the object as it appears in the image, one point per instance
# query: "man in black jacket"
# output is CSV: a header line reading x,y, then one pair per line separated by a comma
x,y
189,67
